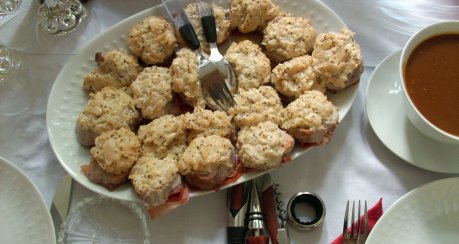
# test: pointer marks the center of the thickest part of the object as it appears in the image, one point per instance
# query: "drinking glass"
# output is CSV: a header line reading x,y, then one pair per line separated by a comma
x,y
16,93
59,17
8,7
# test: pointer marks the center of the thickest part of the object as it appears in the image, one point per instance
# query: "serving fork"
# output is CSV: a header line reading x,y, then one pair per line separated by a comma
x,y
206,13
214,88
356,235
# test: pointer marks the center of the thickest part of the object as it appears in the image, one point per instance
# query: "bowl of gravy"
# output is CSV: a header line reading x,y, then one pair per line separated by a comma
x,y
429,71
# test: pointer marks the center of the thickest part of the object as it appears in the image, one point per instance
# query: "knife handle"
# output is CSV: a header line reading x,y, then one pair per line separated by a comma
x,y
270,212
235,235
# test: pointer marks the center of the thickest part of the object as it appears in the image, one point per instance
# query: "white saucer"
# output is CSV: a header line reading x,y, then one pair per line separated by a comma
x,y
387,117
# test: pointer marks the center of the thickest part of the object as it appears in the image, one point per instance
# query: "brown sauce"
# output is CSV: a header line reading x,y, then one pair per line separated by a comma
x,y
432,81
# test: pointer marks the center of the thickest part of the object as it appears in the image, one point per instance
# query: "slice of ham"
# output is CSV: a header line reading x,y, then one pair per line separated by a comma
x,y
179,196
235,175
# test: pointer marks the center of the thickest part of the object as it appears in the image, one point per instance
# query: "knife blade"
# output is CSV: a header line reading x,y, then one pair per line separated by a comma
x,y
61,202
279,234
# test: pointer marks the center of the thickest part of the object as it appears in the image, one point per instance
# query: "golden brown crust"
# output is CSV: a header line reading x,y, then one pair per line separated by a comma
x,y
263,146
153,179
251,66
163,136
203,122
116,151
106,110
185,80
310,118
256,105
115,68
206,154
152,92
153,40
339,59
296,76
286,37
251,15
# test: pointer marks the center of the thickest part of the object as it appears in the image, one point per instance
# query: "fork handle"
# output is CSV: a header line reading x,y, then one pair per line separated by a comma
x,y
181,21
208,24
188,34
208,20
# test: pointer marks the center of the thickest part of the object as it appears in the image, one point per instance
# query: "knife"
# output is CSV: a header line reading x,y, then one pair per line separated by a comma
x,y
61,202
237,205
279,234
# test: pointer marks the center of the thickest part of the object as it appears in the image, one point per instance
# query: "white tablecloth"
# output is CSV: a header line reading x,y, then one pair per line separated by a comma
x,y
355,165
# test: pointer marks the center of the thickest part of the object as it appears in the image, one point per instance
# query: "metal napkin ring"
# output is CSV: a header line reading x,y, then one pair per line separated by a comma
x,y
306,198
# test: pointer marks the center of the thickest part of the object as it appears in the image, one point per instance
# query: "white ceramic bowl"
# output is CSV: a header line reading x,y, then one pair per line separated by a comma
x,y
418,120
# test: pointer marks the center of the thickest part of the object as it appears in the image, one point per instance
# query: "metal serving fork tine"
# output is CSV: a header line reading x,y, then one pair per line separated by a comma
x,y
217,95
228,96
218,91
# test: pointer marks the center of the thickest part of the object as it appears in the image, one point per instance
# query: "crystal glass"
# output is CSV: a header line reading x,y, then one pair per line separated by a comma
x,y
10,70
17,90
8,7
59,17
16,93
99,219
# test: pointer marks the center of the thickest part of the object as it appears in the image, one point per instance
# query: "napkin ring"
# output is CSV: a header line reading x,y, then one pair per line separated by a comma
x,y
310,199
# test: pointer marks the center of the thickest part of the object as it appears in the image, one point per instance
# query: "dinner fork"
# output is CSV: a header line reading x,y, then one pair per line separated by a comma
x,y
214,89
356,235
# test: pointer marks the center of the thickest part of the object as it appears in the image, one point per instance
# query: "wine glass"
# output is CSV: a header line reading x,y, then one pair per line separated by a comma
x,y
59,17
8,7
17,92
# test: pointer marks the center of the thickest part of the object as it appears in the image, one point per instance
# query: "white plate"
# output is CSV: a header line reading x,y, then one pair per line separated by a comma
x,y
387,117
67,97
428,214
24,217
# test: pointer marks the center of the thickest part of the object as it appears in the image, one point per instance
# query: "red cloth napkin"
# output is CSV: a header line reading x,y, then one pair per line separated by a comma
x,y
373,215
